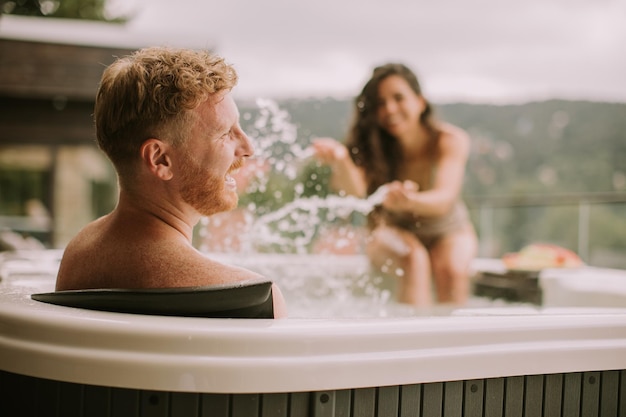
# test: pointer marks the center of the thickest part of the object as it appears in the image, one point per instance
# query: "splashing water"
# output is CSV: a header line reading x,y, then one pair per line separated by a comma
x,y
310,242
276,139
298,220
284,213
284,242
276,232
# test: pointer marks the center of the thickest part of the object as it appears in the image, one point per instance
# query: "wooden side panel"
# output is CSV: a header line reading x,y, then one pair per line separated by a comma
x,y
494,397
588,394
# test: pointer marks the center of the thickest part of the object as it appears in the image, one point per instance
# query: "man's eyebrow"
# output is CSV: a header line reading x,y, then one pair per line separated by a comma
x,y
223,131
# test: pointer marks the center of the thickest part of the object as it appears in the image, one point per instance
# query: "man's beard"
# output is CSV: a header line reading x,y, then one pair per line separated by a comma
x,y
204,192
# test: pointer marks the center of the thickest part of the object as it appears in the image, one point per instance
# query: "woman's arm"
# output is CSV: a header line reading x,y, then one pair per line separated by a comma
x,y
346,177
454,147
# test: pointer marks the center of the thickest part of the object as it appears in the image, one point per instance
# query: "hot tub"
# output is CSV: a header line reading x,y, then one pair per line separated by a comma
x,y
484,360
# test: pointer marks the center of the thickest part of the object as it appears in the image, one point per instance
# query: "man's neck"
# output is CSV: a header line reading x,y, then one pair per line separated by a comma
x,y
156,215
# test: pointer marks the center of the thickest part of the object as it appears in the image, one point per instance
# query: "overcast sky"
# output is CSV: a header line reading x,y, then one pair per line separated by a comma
x,y
462,50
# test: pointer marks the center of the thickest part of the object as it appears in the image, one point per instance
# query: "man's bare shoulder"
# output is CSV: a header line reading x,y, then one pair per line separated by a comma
x,y
98,258
185,266
102,256
81,257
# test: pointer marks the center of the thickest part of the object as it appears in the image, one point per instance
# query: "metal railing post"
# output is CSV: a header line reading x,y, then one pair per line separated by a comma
x,y
485,228
583,230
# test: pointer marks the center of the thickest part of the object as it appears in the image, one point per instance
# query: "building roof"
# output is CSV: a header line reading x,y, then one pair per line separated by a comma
x,y
86,33
42,57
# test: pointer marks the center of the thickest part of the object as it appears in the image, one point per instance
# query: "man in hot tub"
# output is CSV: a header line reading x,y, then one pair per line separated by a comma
x,y
166,119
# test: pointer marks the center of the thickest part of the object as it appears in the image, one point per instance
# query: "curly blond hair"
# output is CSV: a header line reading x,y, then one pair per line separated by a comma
x,y
148,95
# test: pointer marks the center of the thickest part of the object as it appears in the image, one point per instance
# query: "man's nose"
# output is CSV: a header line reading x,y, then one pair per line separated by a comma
x,y
246,148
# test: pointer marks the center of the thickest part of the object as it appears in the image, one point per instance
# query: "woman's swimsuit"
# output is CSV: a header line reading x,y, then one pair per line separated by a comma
x,y
427,229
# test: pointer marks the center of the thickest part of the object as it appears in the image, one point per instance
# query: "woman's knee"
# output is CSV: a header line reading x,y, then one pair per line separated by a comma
x,y
391,248
416,255
454,255
454,269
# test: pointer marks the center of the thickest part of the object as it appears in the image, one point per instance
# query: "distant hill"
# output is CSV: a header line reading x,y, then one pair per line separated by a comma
x,y
539,147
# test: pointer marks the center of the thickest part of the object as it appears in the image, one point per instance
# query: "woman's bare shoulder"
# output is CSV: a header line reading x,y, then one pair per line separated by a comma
x,y
453,132
453,140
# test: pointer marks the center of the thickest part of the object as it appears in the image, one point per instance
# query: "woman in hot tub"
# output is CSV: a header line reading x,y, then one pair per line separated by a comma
x,y
421,228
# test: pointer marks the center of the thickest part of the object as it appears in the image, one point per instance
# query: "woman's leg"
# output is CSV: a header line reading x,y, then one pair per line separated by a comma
x,y
451,259
400,254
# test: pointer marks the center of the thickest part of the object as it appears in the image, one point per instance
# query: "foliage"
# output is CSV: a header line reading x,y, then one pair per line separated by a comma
x,y
549,147
70,9
539,148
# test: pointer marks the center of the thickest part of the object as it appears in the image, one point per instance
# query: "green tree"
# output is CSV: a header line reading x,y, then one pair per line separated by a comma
x,y
69,9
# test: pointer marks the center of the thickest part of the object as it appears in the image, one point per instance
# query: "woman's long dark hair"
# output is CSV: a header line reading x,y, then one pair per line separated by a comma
x,y
370,146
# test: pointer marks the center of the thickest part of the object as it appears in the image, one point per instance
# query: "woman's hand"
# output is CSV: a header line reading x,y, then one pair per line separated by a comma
x,y
346,178
401,196
328,151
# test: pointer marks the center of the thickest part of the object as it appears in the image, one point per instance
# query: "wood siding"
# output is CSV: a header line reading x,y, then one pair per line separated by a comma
x,y
46,70
579,394
41,121
47,91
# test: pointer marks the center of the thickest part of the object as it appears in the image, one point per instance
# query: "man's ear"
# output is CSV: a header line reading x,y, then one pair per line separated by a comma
x,y
155,154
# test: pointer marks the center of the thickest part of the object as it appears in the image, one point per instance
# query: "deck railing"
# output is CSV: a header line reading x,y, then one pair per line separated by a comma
x,y
484,207
484,210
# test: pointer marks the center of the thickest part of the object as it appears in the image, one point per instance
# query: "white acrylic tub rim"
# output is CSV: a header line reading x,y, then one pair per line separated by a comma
x,y
254,356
